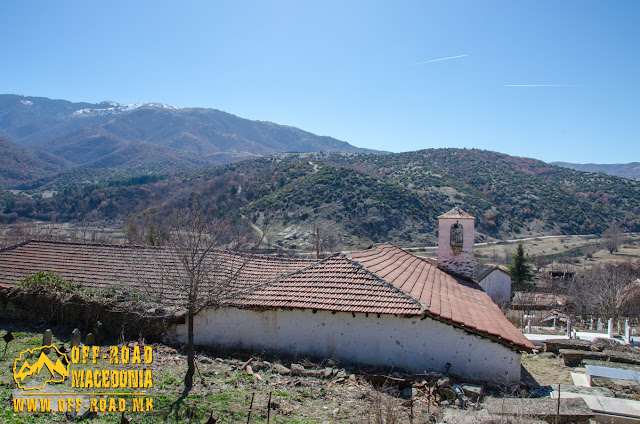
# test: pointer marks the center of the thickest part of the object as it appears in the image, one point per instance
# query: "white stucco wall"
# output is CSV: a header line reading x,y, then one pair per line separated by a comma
x,y
405,343
458,260
498,286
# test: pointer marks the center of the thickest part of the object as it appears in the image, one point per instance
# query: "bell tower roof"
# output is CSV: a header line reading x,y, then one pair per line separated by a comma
x,y
456,213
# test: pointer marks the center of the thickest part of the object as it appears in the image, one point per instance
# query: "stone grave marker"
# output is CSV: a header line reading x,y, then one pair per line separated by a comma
x,y
90,340
47,340
76,338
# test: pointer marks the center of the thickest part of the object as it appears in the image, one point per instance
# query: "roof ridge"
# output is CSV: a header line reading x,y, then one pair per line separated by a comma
x,y
143,247
15,246
291,274
386,283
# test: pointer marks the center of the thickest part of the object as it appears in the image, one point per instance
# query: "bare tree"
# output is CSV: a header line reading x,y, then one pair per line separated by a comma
x,y
539,262
326,236
190,272
20,232
152,232
589,251
612,237
602,289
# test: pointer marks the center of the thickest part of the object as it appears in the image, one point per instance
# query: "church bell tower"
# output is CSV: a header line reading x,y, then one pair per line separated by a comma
x,y
456,234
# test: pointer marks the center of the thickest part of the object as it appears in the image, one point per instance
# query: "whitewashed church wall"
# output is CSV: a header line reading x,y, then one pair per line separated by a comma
x,y
405,343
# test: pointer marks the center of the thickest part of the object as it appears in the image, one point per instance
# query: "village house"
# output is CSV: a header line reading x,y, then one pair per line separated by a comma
x,y
495,281
382,306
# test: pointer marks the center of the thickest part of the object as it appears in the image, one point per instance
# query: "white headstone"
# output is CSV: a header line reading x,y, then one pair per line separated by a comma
x,y
627,332
600,326
610,328
591,324
529,326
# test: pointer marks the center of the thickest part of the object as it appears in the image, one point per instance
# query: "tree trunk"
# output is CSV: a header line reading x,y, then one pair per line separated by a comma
x,y
191,355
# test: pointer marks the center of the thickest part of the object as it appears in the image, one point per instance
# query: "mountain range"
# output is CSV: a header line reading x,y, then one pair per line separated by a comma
x,y
153,137
110,162
627,170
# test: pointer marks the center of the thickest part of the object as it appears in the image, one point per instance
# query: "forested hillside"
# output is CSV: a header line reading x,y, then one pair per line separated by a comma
x,y
357,198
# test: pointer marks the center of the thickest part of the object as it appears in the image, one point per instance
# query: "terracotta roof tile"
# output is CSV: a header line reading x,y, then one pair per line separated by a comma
x,y
100,266
381,280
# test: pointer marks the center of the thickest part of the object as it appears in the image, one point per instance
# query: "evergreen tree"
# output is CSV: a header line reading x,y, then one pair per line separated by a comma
x,y
520,270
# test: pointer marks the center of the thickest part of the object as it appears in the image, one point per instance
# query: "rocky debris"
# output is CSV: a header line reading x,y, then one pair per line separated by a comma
x,y
387,381
297,369
280,369
328,372
473,392
259,366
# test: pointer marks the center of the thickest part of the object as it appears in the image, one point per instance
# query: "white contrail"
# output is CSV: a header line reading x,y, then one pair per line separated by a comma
x,y
539,85
442,58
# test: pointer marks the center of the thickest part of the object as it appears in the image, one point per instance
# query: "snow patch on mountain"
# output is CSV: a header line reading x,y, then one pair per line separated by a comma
x,y
117,108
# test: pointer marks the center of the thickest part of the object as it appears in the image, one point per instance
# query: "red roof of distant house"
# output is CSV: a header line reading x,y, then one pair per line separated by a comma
x,y
383,280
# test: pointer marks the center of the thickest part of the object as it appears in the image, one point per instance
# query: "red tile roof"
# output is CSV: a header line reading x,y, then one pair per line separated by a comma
x,y
335,284
100,266
383,280
442,296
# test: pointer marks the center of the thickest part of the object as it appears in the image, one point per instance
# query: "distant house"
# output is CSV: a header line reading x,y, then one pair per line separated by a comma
x,y
538,301
382,306
495,281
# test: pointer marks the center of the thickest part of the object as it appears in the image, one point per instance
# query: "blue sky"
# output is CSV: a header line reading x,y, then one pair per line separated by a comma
x,y
553,80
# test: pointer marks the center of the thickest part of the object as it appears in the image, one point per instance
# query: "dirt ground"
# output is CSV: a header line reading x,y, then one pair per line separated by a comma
x,y
548,368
